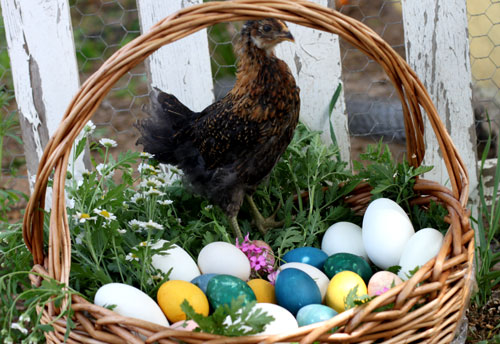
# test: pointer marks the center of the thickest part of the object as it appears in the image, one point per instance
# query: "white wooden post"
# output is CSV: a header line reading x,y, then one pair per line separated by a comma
x,y
44,69
437,48
183,67
316,64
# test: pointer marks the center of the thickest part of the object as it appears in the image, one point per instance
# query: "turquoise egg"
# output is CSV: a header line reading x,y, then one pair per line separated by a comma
x,y
307,255
295,289
311,314
202,281
347,262
221,289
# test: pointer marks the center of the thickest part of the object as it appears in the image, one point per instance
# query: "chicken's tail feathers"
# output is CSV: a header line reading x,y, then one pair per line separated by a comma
x,y
161,130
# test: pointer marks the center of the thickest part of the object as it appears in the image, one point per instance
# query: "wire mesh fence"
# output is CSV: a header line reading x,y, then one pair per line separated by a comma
x,y
102,27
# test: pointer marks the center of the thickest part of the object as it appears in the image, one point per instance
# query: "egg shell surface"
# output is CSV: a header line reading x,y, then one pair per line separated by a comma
x,y
422,247
172,294
176,258
284,321
340,286
344,237
222,289
263,290
312,314
346,261
296,289
130,302
307,255
224,258
317,275
184,325
201,281
381,282
386,229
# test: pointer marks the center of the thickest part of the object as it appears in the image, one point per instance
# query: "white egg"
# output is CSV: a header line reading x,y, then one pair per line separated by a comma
x,y
130,302
386,229
223,258
183,266
422,247
284,321
343,237
316,274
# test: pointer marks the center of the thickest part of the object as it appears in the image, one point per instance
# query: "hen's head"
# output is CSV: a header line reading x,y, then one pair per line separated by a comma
x,y
266,33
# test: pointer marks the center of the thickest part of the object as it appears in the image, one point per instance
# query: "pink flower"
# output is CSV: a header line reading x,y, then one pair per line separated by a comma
x,y
259,254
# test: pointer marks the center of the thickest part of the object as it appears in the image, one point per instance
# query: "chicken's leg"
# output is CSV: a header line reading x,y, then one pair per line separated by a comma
x,y
233,223
263,224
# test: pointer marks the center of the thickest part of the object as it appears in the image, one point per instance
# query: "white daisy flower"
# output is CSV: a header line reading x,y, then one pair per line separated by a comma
x,y
131,256
122,231
89,128
208,207
178,220
83,217
144,244
153,191
146,155
85,173
151,182
20,327
135,224
104,170
108,143
79,239
147,168
104,213
137,197
151,225
165,202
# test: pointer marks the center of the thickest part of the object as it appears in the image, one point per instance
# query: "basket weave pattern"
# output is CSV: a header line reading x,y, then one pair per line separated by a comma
x,y
440,288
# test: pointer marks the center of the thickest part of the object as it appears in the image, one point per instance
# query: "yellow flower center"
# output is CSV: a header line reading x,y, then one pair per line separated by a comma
x,y
104,213
85,216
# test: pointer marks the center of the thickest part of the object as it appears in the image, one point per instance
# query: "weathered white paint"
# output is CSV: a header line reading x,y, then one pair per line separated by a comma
x,y
437,48
183,67
315,62
44,69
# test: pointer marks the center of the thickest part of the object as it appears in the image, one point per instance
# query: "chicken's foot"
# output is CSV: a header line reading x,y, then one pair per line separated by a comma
x,y
263,224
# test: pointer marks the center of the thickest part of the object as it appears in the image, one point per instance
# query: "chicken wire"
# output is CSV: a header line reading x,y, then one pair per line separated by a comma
x,y
374,112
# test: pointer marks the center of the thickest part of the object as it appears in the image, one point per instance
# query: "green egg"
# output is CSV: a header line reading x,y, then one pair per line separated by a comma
x,y
347,262
222,289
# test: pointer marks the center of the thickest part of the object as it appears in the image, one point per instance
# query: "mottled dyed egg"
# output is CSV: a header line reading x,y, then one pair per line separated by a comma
x,y
296,289
130,302
381,282
422,247
184,325
311,314
317,275
263,290
182,266
171,295
343,237
222,289
340,286
386,229
347,262
202,281
225,259
307,255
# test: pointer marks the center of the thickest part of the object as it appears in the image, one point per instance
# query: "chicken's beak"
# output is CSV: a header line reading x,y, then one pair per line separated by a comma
x,y
287,36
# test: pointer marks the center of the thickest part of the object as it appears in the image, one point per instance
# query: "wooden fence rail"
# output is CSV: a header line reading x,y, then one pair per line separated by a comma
x,y
44,68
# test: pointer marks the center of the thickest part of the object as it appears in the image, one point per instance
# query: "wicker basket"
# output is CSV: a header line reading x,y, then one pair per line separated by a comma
x,y
441,287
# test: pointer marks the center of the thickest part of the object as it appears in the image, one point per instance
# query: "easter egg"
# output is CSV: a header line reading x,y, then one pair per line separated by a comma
x,y
381,282
340,286
344,237
311,314
350,262
284,321
130,302
173,293
222,289
184,325
317,275
201,281
296,289
386,229
422,247
263,290
307,255
183,266
225,259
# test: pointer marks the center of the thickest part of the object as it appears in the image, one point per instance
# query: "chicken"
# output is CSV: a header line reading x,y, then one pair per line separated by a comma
x,y
226,150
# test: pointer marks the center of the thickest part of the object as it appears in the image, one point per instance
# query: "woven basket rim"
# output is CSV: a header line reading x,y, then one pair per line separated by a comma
x,y
449,271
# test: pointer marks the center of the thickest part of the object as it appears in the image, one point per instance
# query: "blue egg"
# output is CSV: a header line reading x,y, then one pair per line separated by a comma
x,y
294,289
202,281
307,255
311,314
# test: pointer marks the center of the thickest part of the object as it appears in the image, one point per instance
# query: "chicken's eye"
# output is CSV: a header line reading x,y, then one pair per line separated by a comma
x,y
266,28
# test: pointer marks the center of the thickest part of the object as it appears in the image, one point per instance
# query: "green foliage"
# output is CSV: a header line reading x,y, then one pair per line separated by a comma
x,y
353,299
231,320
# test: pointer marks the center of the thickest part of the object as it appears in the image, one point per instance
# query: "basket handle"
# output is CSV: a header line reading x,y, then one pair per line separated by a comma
x,y
56,155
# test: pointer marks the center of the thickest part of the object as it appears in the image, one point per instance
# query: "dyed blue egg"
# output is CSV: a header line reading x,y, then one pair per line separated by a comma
x,y
307,255
295,289
202,281
311,314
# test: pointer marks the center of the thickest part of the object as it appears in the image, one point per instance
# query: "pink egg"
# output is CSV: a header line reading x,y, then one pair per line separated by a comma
x,y
381,282
190,325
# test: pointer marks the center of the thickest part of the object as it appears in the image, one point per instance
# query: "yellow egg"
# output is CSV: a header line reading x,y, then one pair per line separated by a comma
x,y
339,288
263,290
171,295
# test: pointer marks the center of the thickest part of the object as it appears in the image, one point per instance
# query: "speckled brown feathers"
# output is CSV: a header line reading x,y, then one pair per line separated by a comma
x,y
227,149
